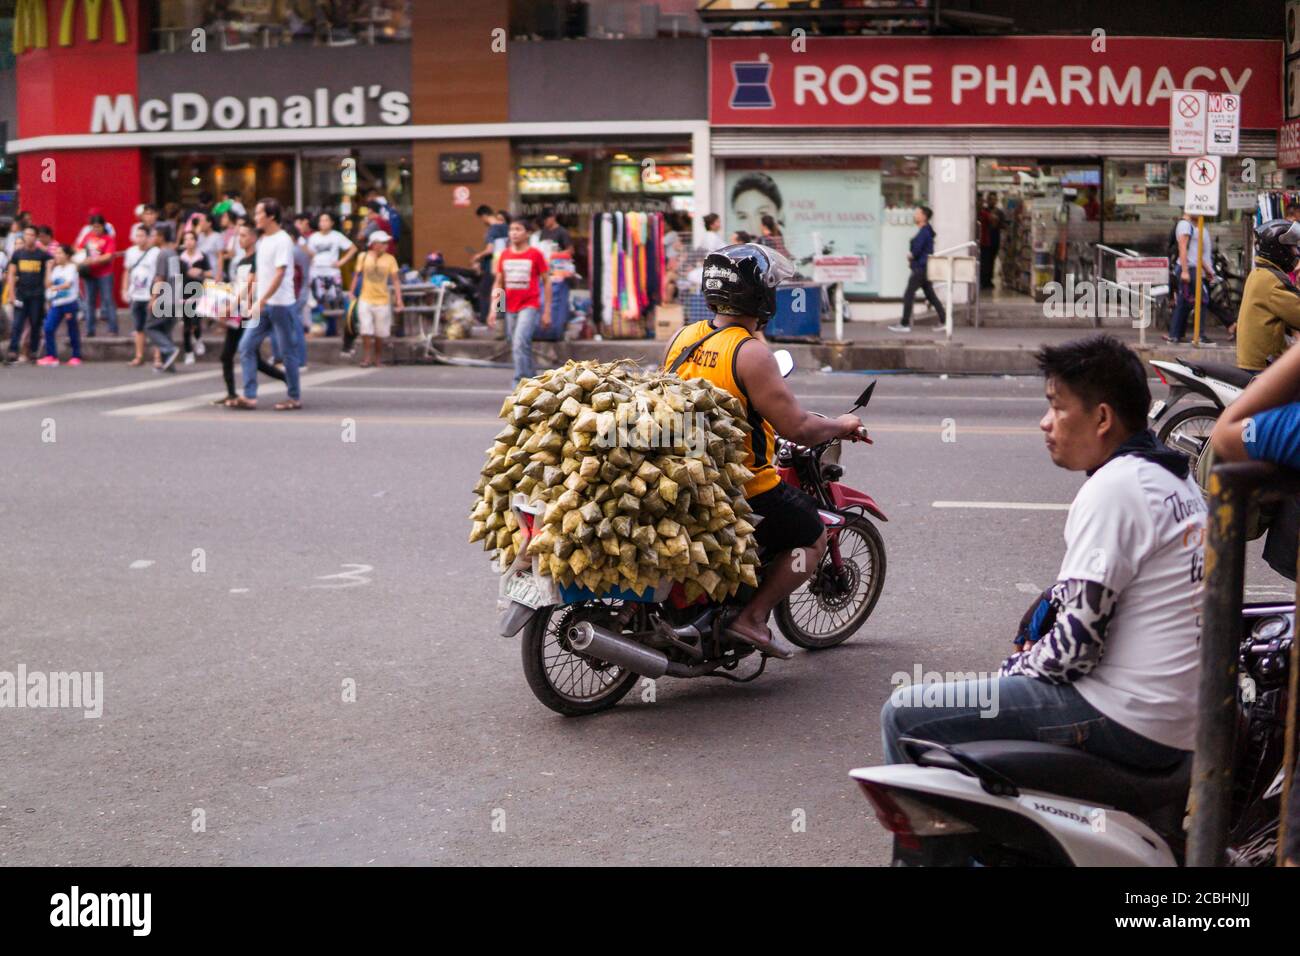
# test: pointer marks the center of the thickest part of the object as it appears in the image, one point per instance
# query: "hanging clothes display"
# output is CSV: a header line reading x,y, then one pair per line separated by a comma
x,y
1272,204
626,257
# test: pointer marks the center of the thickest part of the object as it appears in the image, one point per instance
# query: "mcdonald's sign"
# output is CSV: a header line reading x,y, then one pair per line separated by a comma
x,y
31,30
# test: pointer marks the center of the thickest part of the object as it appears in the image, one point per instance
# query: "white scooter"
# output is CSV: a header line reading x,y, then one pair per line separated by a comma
x,y
1188,428
1022,803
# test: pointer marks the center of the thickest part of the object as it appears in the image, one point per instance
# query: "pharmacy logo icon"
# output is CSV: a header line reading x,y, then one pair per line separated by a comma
x,y
752,84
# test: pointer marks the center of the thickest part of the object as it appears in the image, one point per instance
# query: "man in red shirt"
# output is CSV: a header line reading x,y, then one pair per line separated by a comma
x,y
522,287
99,245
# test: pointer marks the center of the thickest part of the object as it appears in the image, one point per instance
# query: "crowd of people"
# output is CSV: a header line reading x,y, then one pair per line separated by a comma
x,y
200,265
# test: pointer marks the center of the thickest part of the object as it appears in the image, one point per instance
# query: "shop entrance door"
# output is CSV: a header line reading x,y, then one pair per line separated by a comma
x,y
179,178
1039,220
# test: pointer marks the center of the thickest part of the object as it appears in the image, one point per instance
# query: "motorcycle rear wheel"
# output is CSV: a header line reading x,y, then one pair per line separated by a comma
x,y
801,615
1194,422
567,682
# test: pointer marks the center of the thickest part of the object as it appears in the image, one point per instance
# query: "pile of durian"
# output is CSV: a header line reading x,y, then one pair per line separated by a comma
x,y
641,477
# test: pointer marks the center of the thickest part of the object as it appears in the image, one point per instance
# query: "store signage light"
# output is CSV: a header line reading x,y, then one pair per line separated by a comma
x,y
192,111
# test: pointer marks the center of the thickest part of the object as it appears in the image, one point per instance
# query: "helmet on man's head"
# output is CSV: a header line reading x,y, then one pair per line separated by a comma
x,y
741,279
1278,241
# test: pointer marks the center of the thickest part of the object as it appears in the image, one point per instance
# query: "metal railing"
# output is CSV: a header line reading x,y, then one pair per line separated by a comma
x,y
1233,488
1151,297
947,256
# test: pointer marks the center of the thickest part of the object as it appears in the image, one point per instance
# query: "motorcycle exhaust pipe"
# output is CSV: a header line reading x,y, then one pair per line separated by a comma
x,y
1188,444
588,638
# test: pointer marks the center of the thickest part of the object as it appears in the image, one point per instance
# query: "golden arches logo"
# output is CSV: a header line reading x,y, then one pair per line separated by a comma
x,y
31,30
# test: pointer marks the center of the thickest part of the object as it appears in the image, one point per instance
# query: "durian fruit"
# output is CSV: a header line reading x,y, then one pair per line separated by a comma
x,y
639,475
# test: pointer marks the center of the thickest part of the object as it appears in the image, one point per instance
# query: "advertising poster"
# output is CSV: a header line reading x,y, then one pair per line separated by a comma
x,y
843,205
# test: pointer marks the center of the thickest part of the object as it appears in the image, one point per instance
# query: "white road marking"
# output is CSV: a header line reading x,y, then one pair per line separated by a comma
x,y
239,590
1024,587
1002,505
502,392
310,380
353,578
141,564
161,381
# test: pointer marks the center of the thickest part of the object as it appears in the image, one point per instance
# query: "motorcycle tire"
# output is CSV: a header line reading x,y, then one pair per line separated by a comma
x,y
800,636
534,649
1208,412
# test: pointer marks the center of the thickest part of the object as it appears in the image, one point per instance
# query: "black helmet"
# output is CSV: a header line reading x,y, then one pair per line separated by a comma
x,y
1278,241
742,280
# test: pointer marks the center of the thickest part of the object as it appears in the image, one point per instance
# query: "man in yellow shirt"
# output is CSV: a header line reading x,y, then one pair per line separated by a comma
x,y
739,285
374,307
1270,304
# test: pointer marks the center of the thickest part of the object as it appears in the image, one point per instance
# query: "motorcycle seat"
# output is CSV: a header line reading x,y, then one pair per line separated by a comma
x,y
1067,772
1237,377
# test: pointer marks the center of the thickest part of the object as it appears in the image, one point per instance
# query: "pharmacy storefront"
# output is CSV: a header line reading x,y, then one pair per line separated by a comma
x,y
840,138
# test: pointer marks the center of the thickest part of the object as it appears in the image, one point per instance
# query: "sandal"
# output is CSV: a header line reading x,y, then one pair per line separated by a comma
x,y
224,400
243,404
135,362
765,642
291,405
365,364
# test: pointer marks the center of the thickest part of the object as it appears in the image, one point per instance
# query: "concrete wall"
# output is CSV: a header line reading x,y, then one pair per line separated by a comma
x,y
564,80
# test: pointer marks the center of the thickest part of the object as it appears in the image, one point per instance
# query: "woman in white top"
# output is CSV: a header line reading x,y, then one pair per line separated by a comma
x,y
330,251
141,262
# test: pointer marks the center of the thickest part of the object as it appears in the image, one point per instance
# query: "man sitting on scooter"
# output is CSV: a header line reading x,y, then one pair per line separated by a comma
x,y
1108,655
739,285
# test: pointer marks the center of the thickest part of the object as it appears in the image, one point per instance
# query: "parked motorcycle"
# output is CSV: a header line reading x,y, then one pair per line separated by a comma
x,y
1022,803
1188,429
583,652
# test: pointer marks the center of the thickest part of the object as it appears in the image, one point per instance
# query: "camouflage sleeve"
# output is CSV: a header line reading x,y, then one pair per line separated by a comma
x,y
1077,640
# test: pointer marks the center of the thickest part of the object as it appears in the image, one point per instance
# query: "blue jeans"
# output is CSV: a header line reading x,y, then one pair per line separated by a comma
x,y
99,292
277,320
1026,709
57,313
520,327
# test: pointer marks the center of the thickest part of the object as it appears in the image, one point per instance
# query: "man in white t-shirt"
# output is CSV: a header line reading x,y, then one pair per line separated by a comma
x,y
272,312
1108,660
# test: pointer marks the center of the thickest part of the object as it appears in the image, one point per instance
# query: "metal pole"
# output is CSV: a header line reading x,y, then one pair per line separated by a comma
x,y
948,317
1146,315
1200,257
1216,723
1288,834
839,312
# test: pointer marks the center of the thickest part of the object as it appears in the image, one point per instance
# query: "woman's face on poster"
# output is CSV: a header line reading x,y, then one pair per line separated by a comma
x,y
748,211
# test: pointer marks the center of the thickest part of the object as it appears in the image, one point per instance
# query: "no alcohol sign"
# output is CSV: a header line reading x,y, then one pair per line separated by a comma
x,y
1203,185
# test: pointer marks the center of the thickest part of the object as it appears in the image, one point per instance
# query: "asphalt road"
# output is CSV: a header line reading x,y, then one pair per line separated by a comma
x,y
325,561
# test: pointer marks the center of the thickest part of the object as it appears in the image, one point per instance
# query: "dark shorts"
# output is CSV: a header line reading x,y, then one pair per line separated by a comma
x,y
139,315
790,519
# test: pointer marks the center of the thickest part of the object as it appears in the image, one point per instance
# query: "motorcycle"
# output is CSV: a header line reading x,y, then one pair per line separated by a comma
x,y
583,652
1023,803
1188,429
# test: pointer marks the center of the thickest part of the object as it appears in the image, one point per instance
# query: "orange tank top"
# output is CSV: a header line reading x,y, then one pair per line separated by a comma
x,y
715,360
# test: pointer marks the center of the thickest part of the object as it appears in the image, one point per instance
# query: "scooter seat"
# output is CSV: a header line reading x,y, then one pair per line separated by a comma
x,y
1238,377
1072,773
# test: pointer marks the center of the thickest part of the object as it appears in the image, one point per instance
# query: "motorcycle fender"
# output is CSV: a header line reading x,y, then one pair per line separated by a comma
x,y
514,618
845,497
1088,835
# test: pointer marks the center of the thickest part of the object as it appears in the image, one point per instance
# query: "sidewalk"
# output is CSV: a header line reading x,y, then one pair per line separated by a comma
x,y
867,346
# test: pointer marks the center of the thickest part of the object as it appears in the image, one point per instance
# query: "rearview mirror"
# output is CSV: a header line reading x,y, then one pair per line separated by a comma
x,y
865,396
784,362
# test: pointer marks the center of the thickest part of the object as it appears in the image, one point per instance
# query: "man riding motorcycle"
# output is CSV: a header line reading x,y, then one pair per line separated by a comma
x,y
1109,654
1270,303
739,285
